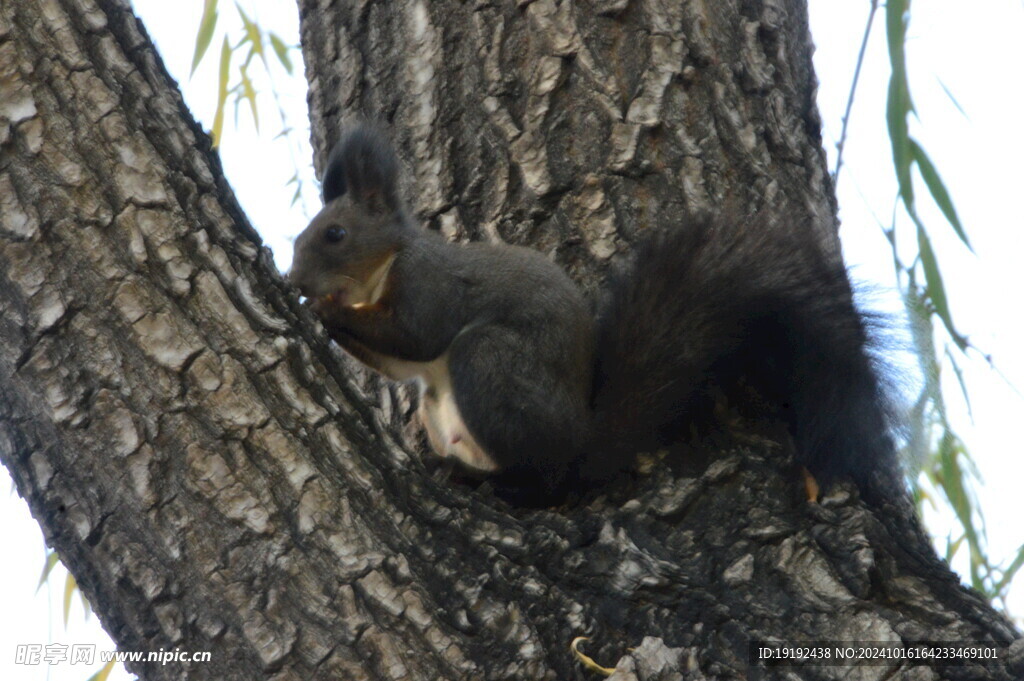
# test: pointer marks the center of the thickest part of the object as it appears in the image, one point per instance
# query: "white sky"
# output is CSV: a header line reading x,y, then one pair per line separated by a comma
x,y
976,53
979,58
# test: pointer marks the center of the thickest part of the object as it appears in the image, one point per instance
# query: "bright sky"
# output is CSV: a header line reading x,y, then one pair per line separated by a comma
x,y
976,55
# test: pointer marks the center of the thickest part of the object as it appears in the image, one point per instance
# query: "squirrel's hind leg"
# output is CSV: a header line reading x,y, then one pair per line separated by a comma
x,y
522,408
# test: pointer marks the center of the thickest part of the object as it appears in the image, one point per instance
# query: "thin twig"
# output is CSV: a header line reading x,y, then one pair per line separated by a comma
x,y
853,91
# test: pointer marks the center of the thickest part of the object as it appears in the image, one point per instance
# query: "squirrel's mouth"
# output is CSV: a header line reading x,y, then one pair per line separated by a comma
x,y
341,296
327,298
351,292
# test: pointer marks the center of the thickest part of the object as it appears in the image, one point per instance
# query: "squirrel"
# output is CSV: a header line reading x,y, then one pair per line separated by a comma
x,y
522,382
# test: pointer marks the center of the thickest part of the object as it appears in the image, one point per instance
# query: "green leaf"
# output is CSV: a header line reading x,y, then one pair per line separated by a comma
x,y
206,25
1009,573
69,590
971,466
936,289
281,50
252,34
899,104
102,674
896,111
249,92
896,31
51,560
938,190
222,92
953,485
953,547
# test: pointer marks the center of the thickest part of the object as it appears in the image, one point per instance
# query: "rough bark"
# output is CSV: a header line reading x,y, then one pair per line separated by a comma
x,y
574,126
215,477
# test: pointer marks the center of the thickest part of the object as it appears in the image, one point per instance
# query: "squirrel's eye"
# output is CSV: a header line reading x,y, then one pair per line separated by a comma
x,y
335,234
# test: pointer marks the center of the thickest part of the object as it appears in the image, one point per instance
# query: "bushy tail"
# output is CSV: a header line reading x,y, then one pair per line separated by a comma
x,y
713,300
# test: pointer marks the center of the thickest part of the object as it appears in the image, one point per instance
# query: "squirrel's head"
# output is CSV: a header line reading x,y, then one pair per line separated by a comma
x,y
348,247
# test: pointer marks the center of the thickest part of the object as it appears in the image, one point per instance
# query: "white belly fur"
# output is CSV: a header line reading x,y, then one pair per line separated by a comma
x,y
438,412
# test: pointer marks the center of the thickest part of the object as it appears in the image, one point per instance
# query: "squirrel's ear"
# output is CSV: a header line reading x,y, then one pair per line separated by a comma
x,y
333,184
363,165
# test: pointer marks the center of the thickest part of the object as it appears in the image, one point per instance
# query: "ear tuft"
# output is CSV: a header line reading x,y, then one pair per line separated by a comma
x,y
363,165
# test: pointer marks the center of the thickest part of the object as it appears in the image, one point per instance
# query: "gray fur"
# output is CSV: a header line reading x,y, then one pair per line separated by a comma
x,y
556,397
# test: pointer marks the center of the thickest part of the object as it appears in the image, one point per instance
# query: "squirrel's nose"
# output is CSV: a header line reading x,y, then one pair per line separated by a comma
x,y
294,277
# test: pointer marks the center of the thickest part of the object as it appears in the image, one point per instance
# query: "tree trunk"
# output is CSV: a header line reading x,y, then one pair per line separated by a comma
x,y
216,478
